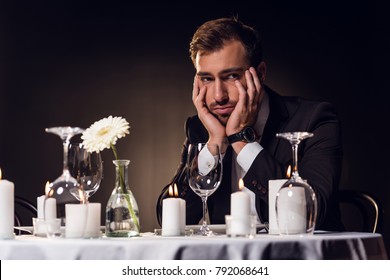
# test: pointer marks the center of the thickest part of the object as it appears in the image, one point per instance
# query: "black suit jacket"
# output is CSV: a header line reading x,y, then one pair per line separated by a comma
x,y
319,161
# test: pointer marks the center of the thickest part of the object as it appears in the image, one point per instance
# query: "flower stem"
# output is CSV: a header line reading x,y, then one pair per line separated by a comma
x,y
121,175
114,150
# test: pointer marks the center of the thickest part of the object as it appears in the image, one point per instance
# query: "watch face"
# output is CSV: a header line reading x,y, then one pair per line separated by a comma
x,y
249,134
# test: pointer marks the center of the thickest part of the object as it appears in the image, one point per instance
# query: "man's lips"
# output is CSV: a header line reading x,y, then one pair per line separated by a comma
x,y
223,110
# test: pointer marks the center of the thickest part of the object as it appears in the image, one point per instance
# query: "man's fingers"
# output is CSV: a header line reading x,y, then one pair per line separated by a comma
x,y
195,89
256,79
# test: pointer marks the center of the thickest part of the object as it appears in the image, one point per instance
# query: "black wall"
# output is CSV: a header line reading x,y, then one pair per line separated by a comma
x,y
72,64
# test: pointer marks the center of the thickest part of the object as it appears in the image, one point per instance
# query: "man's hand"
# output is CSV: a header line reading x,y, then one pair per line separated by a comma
x,y
245,112
215,129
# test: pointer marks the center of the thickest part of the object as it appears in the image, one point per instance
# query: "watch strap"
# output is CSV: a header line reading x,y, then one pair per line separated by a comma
x,y
235,137
247,135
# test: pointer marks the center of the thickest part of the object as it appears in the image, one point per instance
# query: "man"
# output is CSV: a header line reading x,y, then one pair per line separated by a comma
x,y
242,115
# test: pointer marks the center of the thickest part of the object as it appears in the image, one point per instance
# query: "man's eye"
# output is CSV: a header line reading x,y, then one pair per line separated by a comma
x,y
232,76
205,79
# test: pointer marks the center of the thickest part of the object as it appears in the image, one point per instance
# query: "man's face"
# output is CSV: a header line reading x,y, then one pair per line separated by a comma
x,y
218,71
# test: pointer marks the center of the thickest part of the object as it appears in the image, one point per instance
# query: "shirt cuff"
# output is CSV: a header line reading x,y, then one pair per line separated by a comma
x,y
248,154
206,161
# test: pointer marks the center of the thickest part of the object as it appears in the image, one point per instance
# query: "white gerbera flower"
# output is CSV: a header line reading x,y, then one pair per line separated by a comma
x,y
103,134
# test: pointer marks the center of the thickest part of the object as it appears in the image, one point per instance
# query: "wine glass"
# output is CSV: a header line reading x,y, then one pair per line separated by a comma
x,y
65,185
296,202
204,171
86,168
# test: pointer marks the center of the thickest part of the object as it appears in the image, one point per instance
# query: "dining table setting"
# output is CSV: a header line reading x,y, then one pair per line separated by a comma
x,y
68,226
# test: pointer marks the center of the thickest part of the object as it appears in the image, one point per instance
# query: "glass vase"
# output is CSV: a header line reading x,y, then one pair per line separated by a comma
x,y
122,216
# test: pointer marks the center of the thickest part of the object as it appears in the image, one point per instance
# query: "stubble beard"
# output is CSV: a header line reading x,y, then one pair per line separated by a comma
x,y
223,119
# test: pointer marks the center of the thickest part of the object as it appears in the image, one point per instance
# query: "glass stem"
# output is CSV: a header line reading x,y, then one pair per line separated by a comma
x,y
204,202
65,160
295,159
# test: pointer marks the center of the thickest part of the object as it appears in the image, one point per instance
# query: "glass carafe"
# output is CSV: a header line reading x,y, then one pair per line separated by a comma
x,y
122,216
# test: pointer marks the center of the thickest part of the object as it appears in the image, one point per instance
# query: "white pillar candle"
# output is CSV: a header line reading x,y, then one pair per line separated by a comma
x,y
174,214
75,220
50,206
82,220
240,204
240,211
92,229
273,188
6,209
173,218
292,210
40,203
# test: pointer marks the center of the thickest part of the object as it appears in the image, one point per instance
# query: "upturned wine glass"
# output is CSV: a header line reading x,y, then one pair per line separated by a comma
x,y
64,187
296,202
204,171
86,168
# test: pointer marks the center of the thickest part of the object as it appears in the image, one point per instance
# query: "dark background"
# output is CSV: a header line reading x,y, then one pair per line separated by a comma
x,y
73,63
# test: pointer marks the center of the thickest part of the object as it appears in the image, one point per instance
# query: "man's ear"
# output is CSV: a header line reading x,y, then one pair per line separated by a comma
x,y
262,71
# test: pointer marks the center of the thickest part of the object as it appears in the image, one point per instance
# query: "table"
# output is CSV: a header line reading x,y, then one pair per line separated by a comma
x,y
321,245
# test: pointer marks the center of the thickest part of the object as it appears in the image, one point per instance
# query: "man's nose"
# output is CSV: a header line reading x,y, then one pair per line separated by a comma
x,y
220,92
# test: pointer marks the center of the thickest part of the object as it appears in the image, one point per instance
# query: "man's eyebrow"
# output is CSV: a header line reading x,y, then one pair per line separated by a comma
x,y
234,69
225,71
203,74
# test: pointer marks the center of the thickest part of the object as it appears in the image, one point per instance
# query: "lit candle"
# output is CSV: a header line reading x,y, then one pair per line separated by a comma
x,y
174,214
240,205
47,204
240,212
6,209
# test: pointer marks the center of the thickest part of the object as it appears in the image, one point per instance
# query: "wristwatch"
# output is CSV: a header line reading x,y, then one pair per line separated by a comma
x,y
248,135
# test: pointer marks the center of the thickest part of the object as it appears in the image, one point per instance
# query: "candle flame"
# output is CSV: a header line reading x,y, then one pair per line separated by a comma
x,y
288,173
0,174
241,184
47,189
170,190
175,191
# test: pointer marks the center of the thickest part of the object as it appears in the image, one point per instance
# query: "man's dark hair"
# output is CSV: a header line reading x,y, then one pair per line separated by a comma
x,y
214,34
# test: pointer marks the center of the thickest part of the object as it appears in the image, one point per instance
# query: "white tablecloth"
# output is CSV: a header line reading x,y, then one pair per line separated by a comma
x,y
346,245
